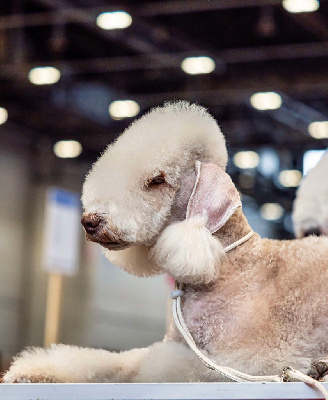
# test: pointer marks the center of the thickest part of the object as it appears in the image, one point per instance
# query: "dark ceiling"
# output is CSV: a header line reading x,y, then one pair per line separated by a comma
x,y
257,46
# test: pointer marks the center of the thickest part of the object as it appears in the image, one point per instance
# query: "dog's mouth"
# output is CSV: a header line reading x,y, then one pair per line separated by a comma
x,y
108,243
114,245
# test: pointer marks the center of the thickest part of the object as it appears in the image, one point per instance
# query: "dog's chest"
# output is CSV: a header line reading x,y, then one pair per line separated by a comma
x,y
230,315
212,317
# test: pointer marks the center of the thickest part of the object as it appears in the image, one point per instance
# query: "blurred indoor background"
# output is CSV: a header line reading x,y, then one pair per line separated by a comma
x,y
74,74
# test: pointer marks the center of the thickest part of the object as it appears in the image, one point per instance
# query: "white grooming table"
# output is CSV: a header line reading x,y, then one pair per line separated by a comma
x,y
158,391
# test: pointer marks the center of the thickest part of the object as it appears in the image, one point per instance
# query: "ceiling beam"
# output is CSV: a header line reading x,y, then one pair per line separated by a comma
x,y
60,13
296,115
192,6
142,37
276,52
87,18
314,23
173,60
233,95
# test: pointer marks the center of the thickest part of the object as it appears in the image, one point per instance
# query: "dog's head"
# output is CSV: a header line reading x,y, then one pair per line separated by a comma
x,y
158,193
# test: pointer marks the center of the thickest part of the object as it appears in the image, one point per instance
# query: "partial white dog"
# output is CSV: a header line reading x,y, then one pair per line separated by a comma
x,y
159,200
310,214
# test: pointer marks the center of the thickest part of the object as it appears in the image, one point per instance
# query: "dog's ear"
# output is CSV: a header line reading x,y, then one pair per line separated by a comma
x,y
214,196
187,250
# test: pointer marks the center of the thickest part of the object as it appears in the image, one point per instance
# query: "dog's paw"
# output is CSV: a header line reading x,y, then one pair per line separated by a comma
x,y
10,377
34,365
319,370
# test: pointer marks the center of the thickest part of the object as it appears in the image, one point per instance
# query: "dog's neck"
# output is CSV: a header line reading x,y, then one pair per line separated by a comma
x,y
234,229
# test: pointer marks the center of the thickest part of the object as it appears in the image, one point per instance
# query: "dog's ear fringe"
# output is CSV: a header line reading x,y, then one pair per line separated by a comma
x,y
187,251
133,260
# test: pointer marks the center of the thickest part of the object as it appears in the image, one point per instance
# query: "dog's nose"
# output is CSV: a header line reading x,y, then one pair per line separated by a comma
x,y
90,223
313,232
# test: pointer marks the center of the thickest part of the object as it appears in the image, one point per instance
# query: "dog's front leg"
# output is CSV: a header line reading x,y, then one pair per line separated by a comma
x,y
161,362
61,363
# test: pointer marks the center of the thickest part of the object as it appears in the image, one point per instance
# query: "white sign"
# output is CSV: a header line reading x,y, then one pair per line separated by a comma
x,y
62,232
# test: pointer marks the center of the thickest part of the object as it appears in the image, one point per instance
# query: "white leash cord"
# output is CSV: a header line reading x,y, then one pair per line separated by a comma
x,y
288,374
226,371
239,242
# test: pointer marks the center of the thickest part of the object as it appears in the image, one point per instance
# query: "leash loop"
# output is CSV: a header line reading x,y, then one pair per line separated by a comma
x,y
177,293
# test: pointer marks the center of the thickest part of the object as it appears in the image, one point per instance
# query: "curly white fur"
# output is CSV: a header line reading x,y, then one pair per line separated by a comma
x,y
64,364
134,260
187,251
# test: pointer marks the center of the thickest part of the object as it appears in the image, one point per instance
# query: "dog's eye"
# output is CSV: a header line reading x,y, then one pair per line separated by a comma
x,y
158,180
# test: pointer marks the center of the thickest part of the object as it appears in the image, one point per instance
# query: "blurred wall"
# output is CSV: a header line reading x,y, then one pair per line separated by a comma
x,y
125,311
14,243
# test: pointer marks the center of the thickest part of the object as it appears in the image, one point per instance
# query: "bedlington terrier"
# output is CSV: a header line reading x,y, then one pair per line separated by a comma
x,y
159,200
310,214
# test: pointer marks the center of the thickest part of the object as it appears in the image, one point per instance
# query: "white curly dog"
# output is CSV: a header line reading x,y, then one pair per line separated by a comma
x,y
310,214
159,200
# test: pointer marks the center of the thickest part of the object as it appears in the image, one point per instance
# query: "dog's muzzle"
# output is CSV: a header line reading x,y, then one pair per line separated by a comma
x,y
98,230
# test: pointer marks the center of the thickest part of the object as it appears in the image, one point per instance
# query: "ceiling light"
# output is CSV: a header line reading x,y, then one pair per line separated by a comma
x,y
198,65
3,115
246,159
319,129
67,149
298,6
123,109
290,178
114,20
44,75
266,100
271,211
